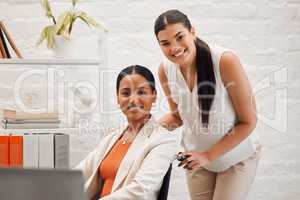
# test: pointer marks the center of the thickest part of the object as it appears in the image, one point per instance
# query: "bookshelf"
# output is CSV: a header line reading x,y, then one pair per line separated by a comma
x,y
64,62
52,84
75,72
70,131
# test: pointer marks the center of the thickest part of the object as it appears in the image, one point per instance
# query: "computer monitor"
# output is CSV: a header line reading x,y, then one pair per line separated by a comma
x,y
41,184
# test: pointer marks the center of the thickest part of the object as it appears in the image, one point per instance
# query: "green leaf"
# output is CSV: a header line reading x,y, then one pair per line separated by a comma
x,y
47,8
48,33
74,2
50,37
42,36
60,22
90,21
64,23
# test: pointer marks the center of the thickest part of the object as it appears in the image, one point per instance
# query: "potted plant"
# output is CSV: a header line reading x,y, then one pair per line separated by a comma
x,y
61,27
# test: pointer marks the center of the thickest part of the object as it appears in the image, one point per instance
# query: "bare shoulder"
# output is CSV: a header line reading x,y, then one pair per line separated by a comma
x,y
229,62
230,67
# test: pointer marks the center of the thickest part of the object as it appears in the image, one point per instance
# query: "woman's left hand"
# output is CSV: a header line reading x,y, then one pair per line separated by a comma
x,y
195,160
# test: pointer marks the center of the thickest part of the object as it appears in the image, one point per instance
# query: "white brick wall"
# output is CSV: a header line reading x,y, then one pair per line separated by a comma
x,y
265,33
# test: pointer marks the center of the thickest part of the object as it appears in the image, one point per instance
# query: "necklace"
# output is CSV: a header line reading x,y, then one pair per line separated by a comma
x,y
127,137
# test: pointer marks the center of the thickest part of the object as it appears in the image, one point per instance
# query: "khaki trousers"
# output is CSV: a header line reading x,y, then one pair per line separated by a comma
x,y
232,184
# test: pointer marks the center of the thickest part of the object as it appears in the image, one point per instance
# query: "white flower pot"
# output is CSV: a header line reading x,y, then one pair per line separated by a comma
x,y
81,47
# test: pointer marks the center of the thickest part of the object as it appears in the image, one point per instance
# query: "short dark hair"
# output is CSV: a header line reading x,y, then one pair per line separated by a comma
x,y
137,69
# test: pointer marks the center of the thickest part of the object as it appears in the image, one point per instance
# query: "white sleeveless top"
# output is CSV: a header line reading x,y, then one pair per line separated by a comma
x,y
222,116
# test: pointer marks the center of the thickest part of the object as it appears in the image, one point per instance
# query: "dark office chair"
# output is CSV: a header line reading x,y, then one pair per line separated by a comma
x,y
164,190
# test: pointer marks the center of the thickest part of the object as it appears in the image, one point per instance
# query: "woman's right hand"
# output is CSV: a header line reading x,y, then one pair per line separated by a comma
x,y
170,121
194,160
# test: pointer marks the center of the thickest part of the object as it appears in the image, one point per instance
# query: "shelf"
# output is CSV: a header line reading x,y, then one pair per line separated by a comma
x,y
51,61
70,131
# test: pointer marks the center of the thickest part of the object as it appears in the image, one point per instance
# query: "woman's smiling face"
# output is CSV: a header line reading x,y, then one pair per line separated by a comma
x,y
178,43
135,97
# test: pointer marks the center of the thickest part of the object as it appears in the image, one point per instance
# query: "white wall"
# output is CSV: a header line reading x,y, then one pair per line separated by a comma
x,y
265,33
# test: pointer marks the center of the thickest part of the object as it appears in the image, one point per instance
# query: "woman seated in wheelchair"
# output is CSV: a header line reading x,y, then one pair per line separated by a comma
x,y
131,161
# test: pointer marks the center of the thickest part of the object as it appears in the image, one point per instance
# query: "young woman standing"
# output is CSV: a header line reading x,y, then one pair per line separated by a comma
x,y
209,94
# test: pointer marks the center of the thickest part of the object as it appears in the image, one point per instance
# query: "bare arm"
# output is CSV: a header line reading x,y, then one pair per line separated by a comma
x,y
240,92
172,119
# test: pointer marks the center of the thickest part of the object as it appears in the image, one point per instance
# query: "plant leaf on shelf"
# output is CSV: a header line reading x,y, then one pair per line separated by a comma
x,y
42,36
48,33
50,37
89,21
74,2
47,8
64,23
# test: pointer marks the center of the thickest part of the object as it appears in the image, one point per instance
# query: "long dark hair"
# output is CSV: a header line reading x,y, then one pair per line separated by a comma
x,y
205,73
137,69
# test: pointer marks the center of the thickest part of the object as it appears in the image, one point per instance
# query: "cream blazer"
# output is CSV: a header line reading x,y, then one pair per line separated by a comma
x,y
141,171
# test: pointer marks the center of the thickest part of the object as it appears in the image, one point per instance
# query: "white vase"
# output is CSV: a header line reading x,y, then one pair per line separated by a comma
x,y
80,47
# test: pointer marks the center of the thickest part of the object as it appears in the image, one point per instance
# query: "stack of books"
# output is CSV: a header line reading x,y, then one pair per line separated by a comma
x,y
4,48
43,150
21,120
